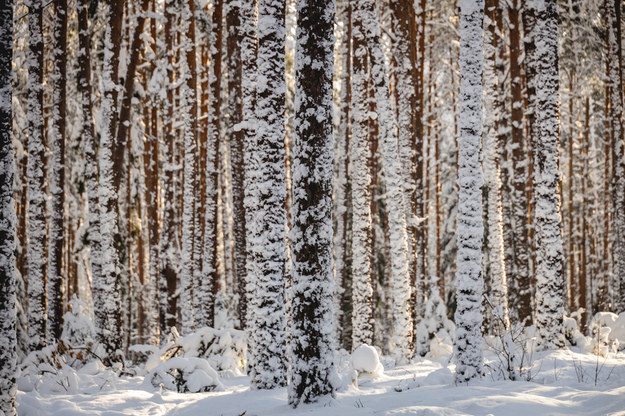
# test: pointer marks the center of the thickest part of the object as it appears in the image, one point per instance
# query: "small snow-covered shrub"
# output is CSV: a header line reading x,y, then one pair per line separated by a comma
x,y
78,329
435,332
185,375
224,349
607,331
572,333
365,359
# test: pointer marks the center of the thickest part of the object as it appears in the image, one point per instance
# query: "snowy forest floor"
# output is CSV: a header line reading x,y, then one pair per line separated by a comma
x,y
566,382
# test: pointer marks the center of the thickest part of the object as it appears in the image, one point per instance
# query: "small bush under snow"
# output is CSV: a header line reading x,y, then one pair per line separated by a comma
x,y
185,375
365,359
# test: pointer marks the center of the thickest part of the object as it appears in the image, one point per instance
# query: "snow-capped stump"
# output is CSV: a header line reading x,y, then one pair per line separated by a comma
x,y
365,359
185,375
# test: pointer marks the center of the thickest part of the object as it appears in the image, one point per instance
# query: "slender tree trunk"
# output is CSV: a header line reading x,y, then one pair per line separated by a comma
x,y
402,317
312,368
615,80
265,194
470,231
8,221
237,136
362,291
549,251
37,238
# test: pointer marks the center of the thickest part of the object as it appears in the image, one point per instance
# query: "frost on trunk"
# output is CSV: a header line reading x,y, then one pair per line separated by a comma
x,y
549,252
342,321
57,179
8,220
188,108
312,370
106,290
237,137
207,287
520,162
615,81
400,280
470,231
498,294
265,194
36,245
362,290
89,141
169,247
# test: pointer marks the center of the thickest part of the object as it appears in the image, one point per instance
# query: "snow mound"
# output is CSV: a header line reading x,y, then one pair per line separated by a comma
x,y
365,359
607,330
185,375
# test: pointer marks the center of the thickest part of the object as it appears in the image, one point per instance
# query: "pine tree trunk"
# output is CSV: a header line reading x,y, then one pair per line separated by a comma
x,y
402,317
208,287
89,141
237,136
342,194
362,291
520,168
265,195
615,80
549,251
312,368
37,238
470,231
106,291
169,246
57,179
188,107
493,104
8,221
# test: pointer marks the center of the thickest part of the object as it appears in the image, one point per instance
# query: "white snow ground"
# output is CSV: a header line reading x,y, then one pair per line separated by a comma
x,y
563,383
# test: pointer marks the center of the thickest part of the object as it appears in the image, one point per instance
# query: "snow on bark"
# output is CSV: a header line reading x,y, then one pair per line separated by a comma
x,y
106,290
498,294
89,141
470,231
57,179
188,108
400,280
342,183
36,242
207,287
362,290
169,246
8,220
615,76
548,240
265,196
236,142
312,372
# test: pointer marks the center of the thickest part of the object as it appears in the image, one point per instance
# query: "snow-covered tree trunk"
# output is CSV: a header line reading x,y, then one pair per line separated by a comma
x,y
362,290
400,279
237,138
549,252
520,160
409,141
206,289
169,246
37,237
188,108
312,368
106,290
615,82
57,179
493,103
342,185
470,231
8,220
89,140
265,193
